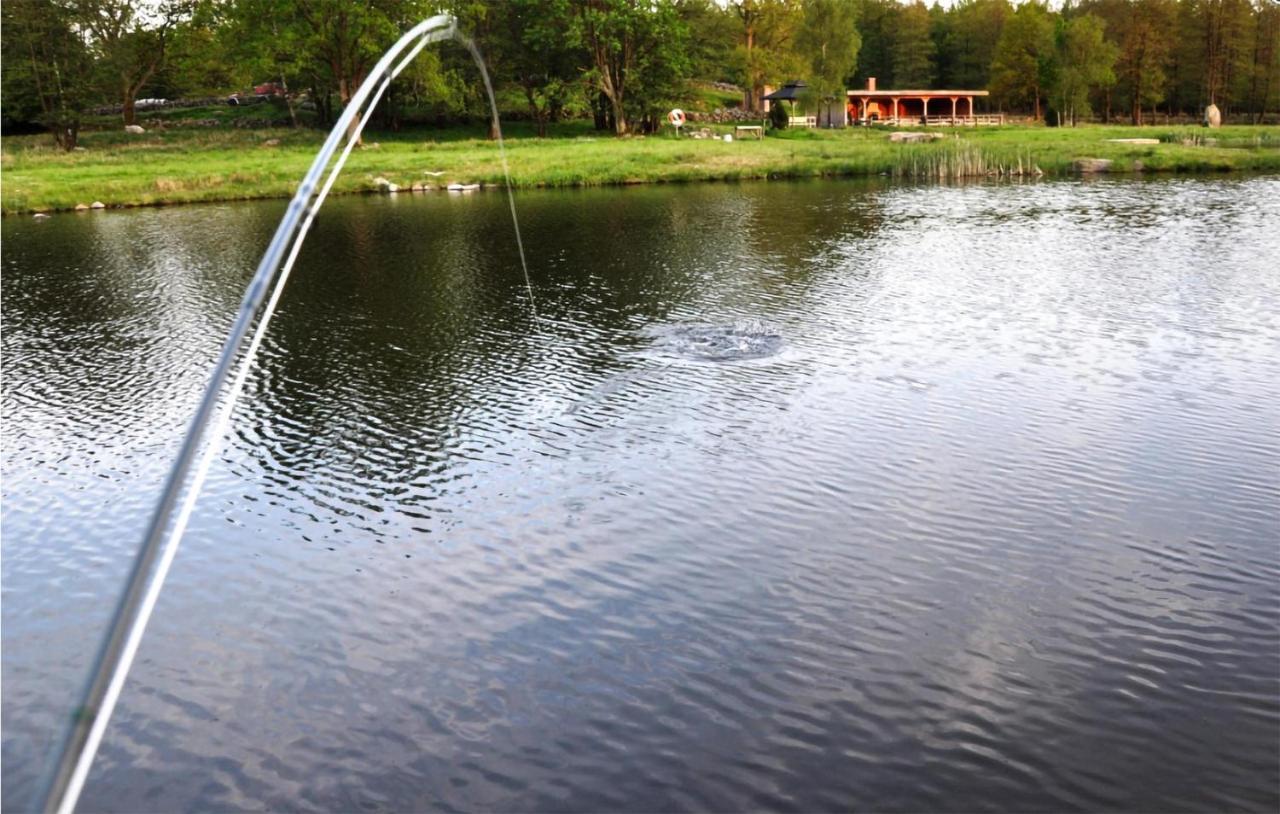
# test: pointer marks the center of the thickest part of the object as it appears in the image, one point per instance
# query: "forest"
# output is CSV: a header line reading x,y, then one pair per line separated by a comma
x,y
623,63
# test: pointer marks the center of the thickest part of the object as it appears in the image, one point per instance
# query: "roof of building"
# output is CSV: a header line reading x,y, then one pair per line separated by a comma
x,y
894,92
788,92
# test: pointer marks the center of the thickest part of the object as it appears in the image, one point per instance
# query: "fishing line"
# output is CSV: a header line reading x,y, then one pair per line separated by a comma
x,y
155,557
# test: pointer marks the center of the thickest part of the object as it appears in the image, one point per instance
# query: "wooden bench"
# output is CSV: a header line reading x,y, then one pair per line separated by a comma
x,y
756,129
802,121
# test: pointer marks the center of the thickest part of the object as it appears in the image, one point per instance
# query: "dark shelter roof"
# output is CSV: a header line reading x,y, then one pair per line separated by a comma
x,y
789,92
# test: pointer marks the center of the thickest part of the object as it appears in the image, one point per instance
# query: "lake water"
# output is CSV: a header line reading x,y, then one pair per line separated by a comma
x,y
805,496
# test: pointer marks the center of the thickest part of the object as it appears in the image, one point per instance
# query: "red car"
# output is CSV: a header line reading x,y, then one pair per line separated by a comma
x,y
268,89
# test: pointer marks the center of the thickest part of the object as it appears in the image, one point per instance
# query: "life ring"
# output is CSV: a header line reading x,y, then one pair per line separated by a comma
x,y
676,117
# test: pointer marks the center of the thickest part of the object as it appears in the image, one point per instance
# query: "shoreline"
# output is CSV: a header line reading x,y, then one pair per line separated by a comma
x,y
181,166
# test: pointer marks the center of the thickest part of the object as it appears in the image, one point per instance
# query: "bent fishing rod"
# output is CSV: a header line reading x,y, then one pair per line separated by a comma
x,y
164,532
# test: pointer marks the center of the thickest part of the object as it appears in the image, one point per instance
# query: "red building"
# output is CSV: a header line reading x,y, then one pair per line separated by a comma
x,y
914,107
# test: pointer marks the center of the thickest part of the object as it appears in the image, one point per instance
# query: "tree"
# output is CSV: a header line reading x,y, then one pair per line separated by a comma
x,y
534,53
876,21
1024,57
913,49
1144,53
713,35
765,54
1224,36
1264,63
130,39
46,67
333,42
971,41
634,46
828,37
1084,62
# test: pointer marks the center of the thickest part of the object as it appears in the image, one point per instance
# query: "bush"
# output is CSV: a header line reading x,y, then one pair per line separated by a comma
x,y
778,116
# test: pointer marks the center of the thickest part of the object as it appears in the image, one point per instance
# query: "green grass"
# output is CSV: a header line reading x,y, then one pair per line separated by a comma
x,y
177,165
706,97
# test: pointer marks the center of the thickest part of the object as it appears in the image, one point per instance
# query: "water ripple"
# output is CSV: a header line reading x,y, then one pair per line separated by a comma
x,y
980,515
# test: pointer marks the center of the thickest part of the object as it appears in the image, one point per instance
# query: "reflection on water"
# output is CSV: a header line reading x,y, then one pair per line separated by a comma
x,y
988,520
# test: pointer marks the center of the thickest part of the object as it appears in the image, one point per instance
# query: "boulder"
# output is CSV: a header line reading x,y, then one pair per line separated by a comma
x,y
97,205
40,216
385,186
134,129
1091,165
1212,117
455,187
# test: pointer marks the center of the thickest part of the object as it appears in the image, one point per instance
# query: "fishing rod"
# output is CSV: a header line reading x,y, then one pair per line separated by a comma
x,y
164,532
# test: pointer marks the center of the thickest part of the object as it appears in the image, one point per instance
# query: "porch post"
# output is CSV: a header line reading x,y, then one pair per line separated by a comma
x,y
895,111
953,111
925,99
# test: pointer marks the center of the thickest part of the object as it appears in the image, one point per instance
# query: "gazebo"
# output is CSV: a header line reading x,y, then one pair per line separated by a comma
x,y
790,92
914,107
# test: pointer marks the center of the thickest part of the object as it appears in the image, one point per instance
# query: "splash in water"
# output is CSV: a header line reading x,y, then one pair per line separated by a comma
x,y
743,339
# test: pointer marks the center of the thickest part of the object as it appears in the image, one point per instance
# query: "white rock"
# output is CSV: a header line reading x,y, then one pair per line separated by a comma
x,y
1212,116
384,185
455,187
97,205
82,207
134,129
728,138
39,216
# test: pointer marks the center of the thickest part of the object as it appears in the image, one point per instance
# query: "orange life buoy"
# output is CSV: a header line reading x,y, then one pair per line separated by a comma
x,y
676,117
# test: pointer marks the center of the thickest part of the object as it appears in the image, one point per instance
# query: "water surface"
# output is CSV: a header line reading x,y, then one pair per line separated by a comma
x,y
801,496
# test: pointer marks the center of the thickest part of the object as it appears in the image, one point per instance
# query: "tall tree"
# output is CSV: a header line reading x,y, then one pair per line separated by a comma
x,y
131,39
829,38
876,22
913,49
633,45
339,40
1264,61
765,53
1144,54
713,35
971,41
46,68
535,54
1024,57
1085,61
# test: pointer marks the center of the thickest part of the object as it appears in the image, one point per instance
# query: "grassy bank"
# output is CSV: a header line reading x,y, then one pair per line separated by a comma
x,y
178,164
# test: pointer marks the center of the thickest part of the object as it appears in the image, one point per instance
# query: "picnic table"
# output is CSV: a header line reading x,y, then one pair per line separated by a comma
x,y
756,129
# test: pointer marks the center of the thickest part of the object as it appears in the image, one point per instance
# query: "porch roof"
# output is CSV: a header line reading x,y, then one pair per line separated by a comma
x,y
918,93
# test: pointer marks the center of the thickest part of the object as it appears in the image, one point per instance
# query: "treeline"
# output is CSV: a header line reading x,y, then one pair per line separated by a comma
x,y
624,62
1108,58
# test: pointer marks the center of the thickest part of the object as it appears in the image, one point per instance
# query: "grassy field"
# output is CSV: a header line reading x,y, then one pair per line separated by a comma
x,y
177,164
